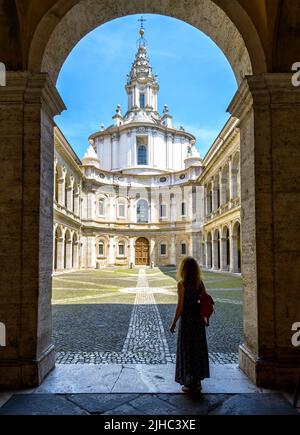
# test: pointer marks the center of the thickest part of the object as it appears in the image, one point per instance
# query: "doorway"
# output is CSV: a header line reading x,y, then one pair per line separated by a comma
x,y
142,252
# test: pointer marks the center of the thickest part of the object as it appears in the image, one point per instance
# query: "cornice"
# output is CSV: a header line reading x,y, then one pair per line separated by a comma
x,y
134,125
28,88
264,92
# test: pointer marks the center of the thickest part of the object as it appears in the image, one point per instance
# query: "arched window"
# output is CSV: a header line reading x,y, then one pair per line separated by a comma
x,y
68,193
142,212
142,101
163,211
121,210
101,249
121,249
183,209
101,208
163,249
183,248
142,155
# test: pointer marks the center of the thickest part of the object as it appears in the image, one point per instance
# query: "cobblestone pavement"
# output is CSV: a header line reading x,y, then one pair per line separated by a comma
x,y
107,324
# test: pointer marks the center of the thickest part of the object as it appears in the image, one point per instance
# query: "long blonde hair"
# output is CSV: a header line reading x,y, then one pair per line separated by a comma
x,y
189,271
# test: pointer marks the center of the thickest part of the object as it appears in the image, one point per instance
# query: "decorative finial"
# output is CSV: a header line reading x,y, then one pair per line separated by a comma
x,y
142,41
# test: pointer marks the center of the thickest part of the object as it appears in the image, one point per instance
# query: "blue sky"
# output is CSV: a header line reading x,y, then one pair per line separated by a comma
x,y
196,80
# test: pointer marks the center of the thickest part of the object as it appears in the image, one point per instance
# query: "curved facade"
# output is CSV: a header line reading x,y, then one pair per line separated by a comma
x,y
142,195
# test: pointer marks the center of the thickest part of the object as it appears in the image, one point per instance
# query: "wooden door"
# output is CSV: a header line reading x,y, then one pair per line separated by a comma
x,y
142,252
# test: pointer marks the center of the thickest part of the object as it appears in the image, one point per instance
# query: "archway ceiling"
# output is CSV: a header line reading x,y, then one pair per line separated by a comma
x,y
276,23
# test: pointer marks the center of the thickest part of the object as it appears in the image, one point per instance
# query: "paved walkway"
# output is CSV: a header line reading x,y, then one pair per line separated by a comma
x,y
145,404
145,342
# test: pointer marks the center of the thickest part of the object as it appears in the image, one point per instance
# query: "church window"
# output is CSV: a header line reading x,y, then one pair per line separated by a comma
x,y
101,249
163,249
142,155
101,208
142,212
163,211
121,249
142,101
56,185
142,150
183,209
183,249
122,214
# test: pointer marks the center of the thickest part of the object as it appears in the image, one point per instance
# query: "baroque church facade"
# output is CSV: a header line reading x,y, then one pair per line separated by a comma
x,y
142,195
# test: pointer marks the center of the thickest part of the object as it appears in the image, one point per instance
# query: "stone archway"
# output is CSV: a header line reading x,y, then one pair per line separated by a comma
x,y
228,26
266,105
142,252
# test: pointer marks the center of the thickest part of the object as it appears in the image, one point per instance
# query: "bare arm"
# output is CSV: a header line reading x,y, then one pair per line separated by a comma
x,y
179,308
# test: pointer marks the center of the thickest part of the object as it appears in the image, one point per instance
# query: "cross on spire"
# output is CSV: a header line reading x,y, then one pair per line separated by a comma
x,y
142,20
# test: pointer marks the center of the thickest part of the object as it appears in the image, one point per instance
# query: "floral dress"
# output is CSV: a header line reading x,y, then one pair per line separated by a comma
x,y
192,363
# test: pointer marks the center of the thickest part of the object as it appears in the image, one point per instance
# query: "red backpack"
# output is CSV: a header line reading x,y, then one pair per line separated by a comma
x,y
206,303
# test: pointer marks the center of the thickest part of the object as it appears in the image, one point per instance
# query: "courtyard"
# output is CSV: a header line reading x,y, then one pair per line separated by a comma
x,y
121,316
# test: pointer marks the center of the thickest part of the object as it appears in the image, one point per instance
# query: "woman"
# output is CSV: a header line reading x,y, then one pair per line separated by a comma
x,y
192,364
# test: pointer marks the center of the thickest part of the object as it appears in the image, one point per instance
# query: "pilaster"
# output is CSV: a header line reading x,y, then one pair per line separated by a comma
x,y
268,107
27,106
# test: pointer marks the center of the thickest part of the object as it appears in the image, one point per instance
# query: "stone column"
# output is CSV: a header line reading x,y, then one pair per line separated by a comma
x,y
76,204
172,255
131,251
203,256
153,251
231,195
205,202
60,254
208,255
150,148
91,212
234,268
69,202
132,212
111,251
27,106
173,211
61,191
154,206
75,256
214,196
134,151
268,107
170,151
115,151
233,241
190,247
215,254
223,254
69,255
234,181
223,191
91,252
221,187
112,209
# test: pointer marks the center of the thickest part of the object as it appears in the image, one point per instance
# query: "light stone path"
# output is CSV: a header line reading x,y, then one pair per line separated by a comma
x,y
146,333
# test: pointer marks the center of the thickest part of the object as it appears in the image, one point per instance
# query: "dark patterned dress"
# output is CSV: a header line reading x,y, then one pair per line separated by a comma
x,y
192,364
